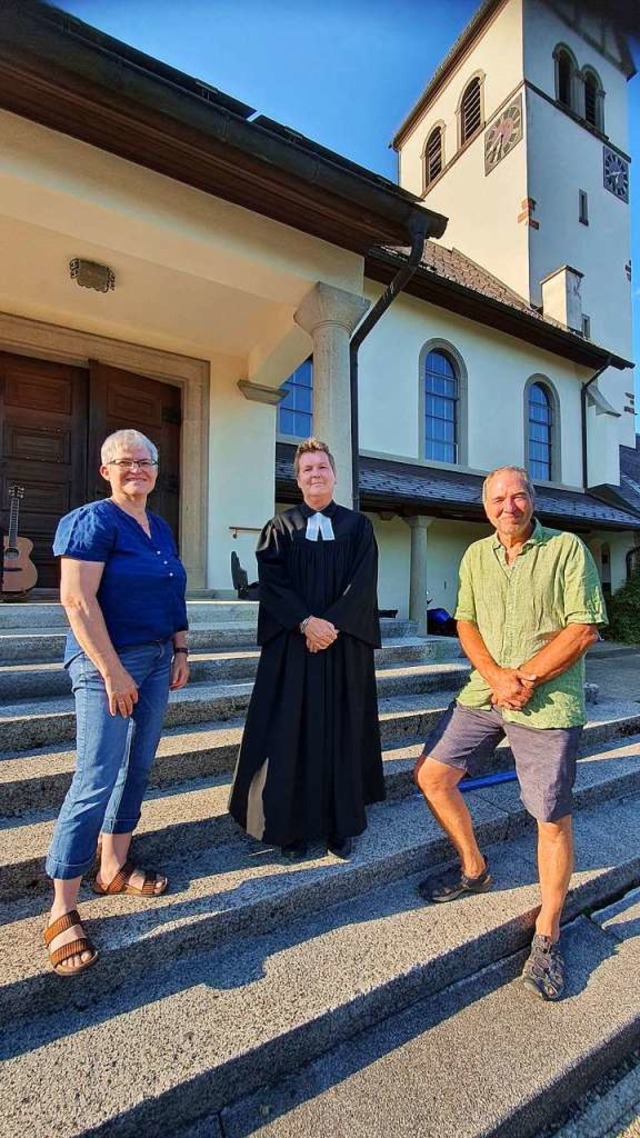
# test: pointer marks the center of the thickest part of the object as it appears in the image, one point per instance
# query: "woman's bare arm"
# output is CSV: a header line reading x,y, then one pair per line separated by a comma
x,y
79,583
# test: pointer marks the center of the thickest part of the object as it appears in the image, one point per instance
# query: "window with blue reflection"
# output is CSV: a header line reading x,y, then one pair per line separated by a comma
x,y
540,432
441,408
295,413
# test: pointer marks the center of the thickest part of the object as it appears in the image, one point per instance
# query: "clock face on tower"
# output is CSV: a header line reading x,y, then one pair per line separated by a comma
x,y
615,174
502,134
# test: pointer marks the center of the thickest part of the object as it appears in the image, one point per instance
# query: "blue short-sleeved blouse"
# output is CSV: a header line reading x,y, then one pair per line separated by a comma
x,y
142,589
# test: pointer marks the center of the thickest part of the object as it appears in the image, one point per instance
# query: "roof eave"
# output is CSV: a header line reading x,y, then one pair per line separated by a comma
x,y
430,286
372,501
72,78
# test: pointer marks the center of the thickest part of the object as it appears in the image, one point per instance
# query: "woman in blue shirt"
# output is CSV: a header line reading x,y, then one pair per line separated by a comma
x,y
123,589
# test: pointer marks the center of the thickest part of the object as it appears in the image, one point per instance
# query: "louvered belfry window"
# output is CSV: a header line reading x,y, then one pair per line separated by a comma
x,y
564,75
591,99
433,156
470,111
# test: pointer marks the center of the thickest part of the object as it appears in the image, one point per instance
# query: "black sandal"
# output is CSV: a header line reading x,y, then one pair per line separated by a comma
x,y
463,884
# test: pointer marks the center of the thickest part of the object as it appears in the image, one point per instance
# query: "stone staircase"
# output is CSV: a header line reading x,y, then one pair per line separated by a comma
x,y
318,998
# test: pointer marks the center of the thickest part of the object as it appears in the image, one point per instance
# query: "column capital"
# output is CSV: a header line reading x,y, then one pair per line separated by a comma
x,y
328,305
419,521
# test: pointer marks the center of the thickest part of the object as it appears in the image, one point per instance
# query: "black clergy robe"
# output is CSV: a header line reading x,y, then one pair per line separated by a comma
x,y
310,758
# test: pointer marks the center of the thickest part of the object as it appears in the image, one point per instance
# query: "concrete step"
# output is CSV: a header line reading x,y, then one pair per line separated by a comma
x,y
25,723
193,815
20,680
52,722
447,1066
198,1023
47,645
34,780
35,617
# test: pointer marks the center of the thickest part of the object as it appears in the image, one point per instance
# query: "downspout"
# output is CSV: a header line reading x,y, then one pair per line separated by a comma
x,y
583,409
421,228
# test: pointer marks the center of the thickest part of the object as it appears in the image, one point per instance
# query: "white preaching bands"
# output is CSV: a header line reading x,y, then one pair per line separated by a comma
x,y
319,525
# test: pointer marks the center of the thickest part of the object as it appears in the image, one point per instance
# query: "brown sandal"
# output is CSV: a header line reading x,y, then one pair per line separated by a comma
x,y
120,883
74,948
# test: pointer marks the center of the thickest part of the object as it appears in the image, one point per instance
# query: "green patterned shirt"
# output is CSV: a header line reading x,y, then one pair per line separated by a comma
x,y
519,608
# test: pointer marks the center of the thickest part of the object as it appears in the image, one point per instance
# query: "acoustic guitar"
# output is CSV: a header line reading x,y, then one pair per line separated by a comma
x,y
19,574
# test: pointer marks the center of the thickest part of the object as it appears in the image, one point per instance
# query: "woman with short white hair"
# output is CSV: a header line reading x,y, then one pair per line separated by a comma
x,y
123,589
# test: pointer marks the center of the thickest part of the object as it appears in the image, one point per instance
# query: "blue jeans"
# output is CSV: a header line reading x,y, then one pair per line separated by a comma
x,y
114,756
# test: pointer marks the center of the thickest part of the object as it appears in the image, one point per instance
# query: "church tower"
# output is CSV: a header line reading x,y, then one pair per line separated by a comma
x,y
521,140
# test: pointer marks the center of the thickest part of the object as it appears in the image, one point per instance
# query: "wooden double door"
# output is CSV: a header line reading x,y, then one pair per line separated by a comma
x,y
53,420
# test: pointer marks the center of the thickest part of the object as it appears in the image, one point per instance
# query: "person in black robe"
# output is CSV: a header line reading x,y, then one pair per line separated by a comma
x,y
310,758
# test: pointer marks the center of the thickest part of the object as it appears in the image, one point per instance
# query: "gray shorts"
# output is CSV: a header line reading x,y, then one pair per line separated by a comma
x,y
545,757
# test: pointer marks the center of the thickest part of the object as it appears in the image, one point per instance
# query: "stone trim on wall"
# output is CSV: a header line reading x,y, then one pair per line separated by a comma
x,y
68,345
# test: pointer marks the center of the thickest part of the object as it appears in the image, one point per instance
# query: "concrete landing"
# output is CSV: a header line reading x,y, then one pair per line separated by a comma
x,y
486,1058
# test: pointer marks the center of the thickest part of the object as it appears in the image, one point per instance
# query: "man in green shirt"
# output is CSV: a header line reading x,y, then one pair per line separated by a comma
x,y
528,605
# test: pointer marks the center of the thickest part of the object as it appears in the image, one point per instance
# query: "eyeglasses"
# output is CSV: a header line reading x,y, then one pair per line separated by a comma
x,y
129,463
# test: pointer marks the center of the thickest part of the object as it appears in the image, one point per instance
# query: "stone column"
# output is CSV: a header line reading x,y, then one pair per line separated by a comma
x,y
418,581
330,315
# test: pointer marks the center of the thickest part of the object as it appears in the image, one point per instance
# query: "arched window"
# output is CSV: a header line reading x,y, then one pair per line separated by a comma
x,y
441,403
470,111
565,69
295,412
540,449
433,156
593,99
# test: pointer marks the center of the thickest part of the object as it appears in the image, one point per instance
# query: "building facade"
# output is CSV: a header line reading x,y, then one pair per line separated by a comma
x,y
171,261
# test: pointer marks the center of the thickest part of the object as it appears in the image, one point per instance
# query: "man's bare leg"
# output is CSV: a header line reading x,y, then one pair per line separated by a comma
x,y
555,866
439,784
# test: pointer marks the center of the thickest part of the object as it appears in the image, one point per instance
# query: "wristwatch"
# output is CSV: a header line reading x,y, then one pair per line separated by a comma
x,y
303,624
184,651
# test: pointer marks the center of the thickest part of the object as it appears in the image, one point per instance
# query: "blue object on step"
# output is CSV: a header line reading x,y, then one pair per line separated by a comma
x,y
486,780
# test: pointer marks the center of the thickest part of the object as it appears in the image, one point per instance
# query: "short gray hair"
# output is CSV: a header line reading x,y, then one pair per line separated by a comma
x,y
119,439
511,470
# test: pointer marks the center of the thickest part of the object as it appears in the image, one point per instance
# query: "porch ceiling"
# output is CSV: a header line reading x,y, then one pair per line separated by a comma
x,y
69,76
151,302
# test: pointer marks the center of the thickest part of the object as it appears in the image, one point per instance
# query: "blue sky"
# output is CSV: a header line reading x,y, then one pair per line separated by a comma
x,y
343,72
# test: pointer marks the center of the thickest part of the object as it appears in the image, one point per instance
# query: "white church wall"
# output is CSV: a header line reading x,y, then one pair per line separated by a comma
x,y
194,276
498,368
564,160
483,210
501,70
565,157
447,543
603,449
62,184
394,546
543,31
241,465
